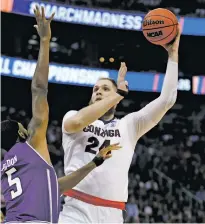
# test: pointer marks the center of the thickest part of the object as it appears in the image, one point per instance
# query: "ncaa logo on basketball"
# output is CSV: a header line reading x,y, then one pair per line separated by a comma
x,y
152,22
155,34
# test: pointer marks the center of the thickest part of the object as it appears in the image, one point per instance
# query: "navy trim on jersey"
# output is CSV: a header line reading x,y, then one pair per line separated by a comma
x,y
107,122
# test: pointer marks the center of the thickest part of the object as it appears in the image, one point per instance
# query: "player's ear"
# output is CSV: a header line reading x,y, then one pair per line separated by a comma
x,y
22,135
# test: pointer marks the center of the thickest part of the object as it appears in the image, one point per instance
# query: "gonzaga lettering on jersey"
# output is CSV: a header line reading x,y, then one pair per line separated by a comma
x,y
110,180
29,185
101,132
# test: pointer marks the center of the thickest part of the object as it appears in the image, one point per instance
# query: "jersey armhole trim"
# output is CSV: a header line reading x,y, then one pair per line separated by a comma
x,y
39,154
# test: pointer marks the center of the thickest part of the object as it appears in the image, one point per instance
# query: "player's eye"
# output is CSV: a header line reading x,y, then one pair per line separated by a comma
x,y
106,89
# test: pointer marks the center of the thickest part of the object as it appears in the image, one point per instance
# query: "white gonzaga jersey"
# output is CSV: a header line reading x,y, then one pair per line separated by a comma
x,y
110,180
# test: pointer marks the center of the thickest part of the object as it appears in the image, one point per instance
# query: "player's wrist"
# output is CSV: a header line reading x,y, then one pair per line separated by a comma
x,y
98,160
122,93
45,40
173,56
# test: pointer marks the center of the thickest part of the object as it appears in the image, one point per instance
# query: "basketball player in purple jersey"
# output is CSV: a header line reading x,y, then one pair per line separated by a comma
x,y
28,180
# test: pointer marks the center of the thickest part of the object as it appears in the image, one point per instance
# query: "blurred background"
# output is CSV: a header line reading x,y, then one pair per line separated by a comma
x,y
89,40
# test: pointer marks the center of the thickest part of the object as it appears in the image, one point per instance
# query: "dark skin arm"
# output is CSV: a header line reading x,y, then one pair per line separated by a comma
x,y
40,111
68,182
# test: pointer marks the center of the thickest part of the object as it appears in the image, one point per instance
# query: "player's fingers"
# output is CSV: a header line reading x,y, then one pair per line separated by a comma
x,y
123,64
123,69
112,148
42,12
108,156
51,17
37,10
36,26
112,145
115,148
109,148
177,40
37,13
179,29
179,32
34,12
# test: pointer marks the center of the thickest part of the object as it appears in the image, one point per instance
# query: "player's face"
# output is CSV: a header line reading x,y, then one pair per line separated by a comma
x,y
101,90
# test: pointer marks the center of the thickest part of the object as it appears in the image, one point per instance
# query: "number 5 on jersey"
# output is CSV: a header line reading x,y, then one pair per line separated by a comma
x,y
16,181
95,143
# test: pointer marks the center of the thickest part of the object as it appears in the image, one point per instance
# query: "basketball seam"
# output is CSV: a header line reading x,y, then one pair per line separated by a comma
x,y
160,27
164,37
160,16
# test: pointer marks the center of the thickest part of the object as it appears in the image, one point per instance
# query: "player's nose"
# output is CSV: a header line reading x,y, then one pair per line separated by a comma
x,y
99,92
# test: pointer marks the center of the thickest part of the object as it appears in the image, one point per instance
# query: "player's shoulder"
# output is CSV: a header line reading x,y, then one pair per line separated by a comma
x,y
69,114
66,117
122,119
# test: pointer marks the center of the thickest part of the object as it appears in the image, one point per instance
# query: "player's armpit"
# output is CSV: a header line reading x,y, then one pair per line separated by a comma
x,y
141,122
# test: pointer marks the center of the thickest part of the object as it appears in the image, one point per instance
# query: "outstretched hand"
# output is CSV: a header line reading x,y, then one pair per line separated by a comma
x,y
122,84
174,45
106,152
43,24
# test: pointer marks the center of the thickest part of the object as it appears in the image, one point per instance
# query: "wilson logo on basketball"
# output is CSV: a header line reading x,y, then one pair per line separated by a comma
x,y
152,22
155,34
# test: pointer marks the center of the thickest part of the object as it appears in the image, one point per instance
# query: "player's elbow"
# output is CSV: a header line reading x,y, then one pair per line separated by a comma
x,y
169,101
73,125
39,89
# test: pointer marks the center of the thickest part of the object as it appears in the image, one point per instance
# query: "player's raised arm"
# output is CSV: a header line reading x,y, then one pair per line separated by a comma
x,y
96,110
38,125
68,182
142,121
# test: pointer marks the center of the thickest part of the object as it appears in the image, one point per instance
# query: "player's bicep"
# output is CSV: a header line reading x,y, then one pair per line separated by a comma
x,y
40,111
144,120
138,124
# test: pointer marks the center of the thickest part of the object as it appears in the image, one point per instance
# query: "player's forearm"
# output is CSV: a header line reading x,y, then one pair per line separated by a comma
x,y
2,217
91,113
68,182
170,84
149,116
40,78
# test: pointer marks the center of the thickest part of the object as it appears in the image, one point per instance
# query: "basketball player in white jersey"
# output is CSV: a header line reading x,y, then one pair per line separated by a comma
x,y
101,196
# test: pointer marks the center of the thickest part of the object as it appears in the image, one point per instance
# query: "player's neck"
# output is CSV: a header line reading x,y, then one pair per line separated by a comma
x,y
107,117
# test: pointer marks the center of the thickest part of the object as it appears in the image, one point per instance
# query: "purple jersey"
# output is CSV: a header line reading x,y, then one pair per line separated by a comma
x,y
29,185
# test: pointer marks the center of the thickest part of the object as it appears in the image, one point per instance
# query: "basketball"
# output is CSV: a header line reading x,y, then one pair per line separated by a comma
x,y
160,26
